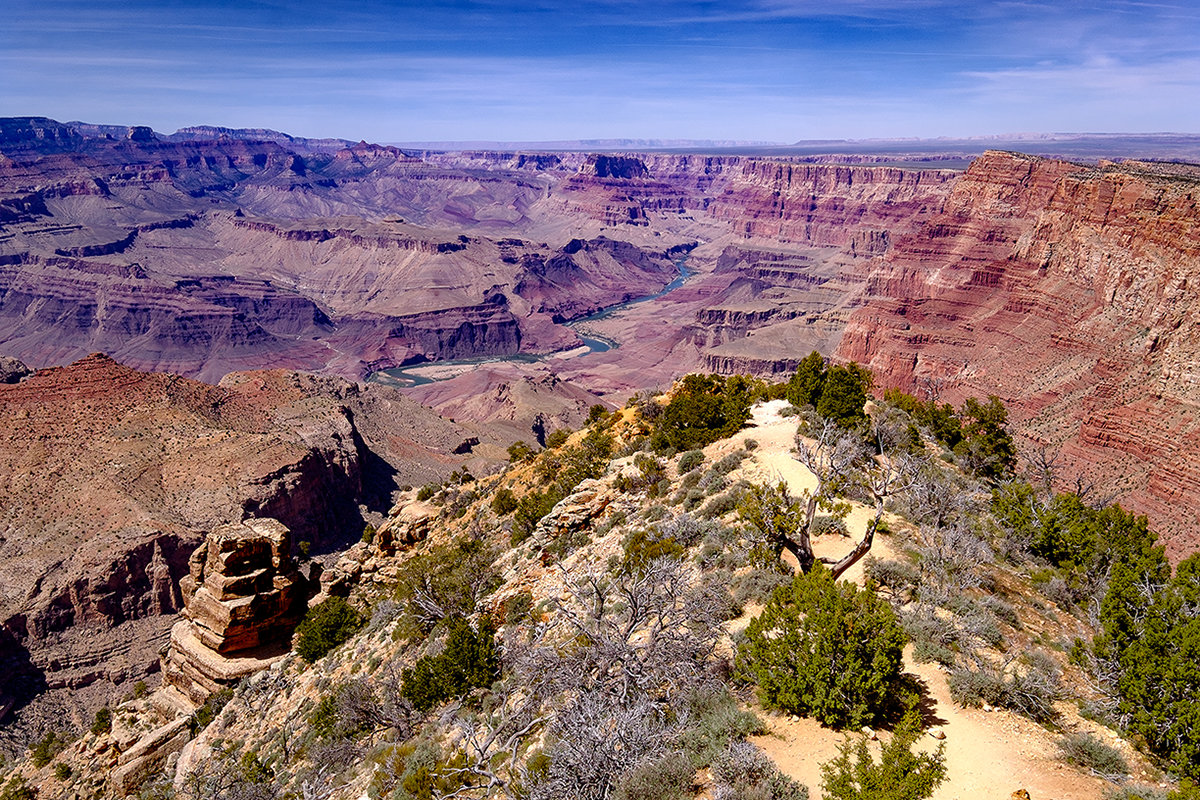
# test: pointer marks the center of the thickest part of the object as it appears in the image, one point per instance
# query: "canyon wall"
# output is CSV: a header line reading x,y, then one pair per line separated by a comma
x,y
110,476
1069,291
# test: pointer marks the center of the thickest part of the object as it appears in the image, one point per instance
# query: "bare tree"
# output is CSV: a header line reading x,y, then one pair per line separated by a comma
x,y
628,645
649,631
842,464
597,740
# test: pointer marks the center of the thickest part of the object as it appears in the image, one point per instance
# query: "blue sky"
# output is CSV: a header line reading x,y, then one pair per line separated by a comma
x,y
769,70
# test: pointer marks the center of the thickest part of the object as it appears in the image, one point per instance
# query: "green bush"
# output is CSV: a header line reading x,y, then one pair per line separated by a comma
x,y
1155,643
48,747
455,576
529,512
505,502
804,388
62,772
986,448
203,716
703,409
519,451
825,649
900,774
667,777
17,789
643,547
468,661
690,460
427,491
102,722
325,626
1085,750
843,395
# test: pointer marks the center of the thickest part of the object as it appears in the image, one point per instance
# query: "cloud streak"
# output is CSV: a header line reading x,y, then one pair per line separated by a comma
x,y
490,69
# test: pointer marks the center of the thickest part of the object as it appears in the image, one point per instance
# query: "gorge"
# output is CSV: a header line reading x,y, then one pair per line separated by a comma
x,y
239,287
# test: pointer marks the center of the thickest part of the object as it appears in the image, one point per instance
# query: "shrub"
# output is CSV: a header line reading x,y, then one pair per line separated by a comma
x,y
744,772
557,438
102,722
62,772
1005,612
973,688
892,574
529,512
448,581
368,534
517,608
900,774
758,585
1030,691
505,502
1085,750
690,461
428,491
519,451
347,711
722,504
48,747
17,789
1128,792
715,721
826,649
468,661
642,548
666,777
203,716
325,626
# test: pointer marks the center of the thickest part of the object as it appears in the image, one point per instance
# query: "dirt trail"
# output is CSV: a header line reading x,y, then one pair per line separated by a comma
x,y
989,754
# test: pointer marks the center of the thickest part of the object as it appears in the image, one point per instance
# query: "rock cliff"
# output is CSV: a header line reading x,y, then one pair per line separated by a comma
x,y
1069,291
111,475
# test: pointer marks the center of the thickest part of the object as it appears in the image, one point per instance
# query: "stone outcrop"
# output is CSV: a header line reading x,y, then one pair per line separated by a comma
x,y
244,597
109,476
12,370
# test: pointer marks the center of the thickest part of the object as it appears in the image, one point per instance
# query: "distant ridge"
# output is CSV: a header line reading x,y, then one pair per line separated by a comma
x,y
1071,146
209,132
587,144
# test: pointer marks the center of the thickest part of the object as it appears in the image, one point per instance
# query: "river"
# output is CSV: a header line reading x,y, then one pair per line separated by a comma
x,y
432,371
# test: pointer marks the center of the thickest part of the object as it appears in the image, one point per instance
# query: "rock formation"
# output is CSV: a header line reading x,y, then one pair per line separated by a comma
x,y
109,477
243,598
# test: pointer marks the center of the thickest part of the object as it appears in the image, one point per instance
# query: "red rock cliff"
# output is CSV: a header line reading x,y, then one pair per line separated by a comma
x,y
1070,292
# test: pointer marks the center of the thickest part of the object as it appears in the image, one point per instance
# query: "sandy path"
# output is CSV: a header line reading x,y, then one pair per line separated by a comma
x,y
989,754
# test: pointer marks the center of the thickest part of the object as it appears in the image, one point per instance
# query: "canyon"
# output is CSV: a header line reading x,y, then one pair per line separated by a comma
x,y
111,477
241,284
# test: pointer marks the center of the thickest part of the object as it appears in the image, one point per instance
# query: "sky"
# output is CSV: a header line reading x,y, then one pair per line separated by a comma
x,y
490,70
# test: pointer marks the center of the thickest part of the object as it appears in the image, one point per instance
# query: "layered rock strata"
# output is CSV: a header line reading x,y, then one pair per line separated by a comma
x,y
1069,291
109,476
244,597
